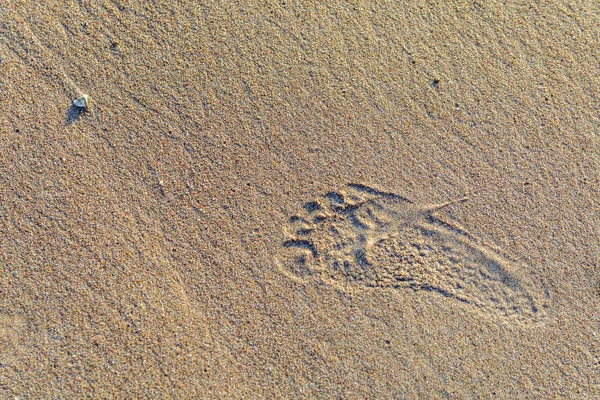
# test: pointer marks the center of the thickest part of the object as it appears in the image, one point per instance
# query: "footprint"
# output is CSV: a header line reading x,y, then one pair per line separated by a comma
x,y
378,239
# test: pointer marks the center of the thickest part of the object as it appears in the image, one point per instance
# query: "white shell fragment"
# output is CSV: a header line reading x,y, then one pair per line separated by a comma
x,y
83,102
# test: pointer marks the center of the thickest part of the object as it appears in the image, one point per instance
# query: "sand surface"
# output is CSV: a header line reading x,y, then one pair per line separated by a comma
x,y
253,208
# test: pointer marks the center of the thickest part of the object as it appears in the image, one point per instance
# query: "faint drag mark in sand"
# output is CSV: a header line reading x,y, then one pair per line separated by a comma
x,y
17,35
365,236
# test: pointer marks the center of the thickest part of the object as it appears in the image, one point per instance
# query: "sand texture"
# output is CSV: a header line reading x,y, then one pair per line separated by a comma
x,y
284,199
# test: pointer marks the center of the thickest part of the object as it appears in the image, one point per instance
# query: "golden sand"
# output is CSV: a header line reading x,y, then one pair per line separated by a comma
x,y
193,234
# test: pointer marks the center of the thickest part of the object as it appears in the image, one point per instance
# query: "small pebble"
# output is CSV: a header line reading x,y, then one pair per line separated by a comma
x,y
83,102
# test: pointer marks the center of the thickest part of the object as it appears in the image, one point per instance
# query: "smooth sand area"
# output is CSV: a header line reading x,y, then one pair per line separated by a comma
x,y
253,207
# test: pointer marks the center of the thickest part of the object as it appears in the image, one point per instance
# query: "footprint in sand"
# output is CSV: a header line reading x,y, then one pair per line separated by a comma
x,y
365,236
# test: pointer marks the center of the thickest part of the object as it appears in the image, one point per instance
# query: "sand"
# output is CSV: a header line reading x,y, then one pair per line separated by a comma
x,y
246,210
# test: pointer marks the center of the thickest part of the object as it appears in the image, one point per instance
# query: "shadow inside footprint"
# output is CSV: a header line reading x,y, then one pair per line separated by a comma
x,y
312,206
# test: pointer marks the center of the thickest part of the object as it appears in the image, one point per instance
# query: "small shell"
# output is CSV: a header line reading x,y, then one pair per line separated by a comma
x,y
83,102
